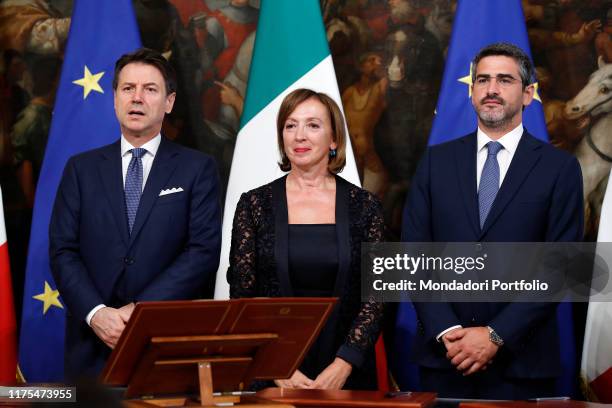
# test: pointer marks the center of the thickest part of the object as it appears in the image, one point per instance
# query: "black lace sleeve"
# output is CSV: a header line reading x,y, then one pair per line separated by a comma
x,y
241,274
366,326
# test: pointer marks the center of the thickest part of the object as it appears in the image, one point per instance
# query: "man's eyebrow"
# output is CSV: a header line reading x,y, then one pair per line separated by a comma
x,y
496,76
134,83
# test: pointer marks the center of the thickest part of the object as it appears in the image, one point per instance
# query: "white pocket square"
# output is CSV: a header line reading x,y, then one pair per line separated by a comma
x,y
170,191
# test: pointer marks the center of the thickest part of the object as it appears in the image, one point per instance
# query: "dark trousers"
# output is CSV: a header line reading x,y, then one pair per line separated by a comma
x,y
489,384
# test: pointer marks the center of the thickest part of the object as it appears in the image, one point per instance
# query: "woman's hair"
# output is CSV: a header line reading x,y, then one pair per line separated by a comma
x,y
291,101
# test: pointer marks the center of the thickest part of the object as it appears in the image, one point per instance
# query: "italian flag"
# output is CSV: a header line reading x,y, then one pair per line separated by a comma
x,y
596,369
8,326
290,52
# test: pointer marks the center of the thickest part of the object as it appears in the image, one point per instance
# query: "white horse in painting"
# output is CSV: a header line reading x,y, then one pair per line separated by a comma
x,y
594,152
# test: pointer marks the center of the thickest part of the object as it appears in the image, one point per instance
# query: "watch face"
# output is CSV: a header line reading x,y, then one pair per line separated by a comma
x,y
494,337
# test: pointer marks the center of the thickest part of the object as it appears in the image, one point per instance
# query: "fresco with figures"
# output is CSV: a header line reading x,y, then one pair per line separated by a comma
x,y
389,58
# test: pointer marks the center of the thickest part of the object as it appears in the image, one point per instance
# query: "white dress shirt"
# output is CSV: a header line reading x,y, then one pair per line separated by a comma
x,y
147,161
510,142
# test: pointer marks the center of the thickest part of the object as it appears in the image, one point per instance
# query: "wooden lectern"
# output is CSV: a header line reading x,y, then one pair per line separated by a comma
x,y
346,398
213,349
543,403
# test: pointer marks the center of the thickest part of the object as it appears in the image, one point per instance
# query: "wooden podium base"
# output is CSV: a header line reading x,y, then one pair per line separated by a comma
x,y
207,398
245,402
348,399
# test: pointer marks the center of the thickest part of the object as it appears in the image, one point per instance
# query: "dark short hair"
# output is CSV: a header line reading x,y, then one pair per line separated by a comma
x,y
149,57
291,101
525,66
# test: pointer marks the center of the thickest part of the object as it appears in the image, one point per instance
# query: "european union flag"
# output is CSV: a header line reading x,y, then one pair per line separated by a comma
x,y
83,119
478,23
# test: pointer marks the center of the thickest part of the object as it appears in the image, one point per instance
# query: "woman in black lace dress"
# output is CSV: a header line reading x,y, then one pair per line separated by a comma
x,y
301,235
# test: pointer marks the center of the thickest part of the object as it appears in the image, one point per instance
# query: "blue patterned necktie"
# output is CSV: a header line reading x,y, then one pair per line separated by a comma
x,y
133,184
489,181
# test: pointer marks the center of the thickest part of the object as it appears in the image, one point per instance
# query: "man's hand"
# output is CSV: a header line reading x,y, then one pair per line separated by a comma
x,y
126,311
334,376
108,325
472,349
450,340
297,380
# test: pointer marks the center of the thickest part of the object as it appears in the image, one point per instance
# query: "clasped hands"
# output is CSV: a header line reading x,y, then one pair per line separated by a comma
x,y
108,323
332,378
469,349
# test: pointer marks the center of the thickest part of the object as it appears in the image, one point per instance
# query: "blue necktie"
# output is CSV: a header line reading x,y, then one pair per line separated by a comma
x,y
489,181
133,184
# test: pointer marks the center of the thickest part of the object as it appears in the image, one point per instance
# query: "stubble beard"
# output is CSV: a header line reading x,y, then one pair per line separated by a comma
x,y
498,118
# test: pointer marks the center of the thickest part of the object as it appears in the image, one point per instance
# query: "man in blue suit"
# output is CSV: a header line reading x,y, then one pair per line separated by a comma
x,y
136,220
498,184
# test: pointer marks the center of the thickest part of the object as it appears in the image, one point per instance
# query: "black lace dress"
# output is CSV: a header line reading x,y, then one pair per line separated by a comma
x,y
260,265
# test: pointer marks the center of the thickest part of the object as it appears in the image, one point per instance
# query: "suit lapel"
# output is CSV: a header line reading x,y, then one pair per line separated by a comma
x,y
112,180
161,170
526,156
281,234
466,171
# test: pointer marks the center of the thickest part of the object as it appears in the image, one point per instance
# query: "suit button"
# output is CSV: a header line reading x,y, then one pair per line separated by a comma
x,y
478,247
128,261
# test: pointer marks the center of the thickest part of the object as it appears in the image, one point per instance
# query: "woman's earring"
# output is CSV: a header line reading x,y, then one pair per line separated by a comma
x,y
332,153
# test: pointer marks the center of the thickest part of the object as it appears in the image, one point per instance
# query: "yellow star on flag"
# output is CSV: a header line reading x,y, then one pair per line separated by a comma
x,y
536,95
49,298
89,82
468,81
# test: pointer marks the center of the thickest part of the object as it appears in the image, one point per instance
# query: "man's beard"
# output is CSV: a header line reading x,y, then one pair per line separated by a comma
x,y
497,118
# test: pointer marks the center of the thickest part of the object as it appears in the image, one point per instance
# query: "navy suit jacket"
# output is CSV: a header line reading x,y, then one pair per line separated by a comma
x,y
172,252
540,199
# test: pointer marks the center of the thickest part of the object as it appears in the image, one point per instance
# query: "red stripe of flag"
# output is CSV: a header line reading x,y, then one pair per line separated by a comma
x,y
381,365
8,326
602,386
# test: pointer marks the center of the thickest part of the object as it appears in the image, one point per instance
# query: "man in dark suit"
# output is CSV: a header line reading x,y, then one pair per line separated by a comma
x,y
498,184
135,220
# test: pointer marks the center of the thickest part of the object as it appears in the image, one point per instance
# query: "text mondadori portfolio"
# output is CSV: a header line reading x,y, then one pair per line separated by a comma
x,y
456,286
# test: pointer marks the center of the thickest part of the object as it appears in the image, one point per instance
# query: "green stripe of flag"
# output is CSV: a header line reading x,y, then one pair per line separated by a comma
x,y
290,41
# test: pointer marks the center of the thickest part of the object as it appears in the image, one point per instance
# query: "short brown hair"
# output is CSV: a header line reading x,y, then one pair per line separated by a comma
x,y
151,57
525,67
291,101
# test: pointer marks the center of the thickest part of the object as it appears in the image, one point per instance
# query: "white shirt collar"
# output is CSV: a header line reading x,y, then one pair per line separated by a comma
x,y
509,141
151,146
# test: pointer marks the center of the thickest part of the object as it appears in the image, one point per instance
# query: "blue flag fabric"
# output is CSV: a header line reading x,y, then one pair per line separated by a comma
x,y
478,23
83,119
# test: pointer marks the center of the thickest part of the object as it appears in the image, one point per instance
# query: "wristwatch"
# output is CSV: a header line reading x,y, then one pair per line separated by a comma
x,y
494,337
